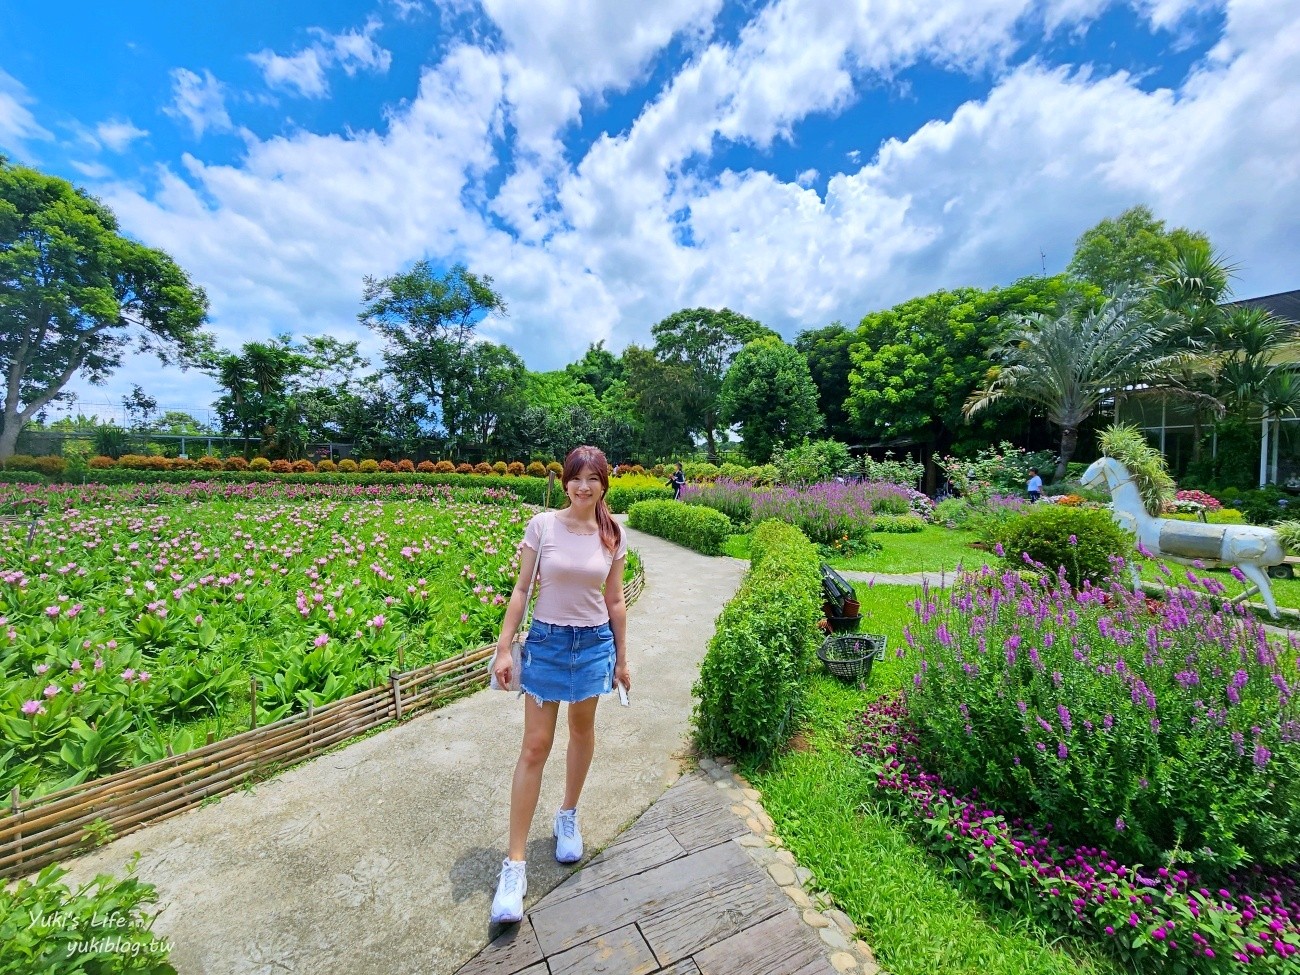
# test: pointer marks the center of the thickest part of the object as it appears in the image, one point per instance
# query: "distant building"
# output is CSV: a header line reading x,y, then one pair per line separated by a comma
x,y
1170,424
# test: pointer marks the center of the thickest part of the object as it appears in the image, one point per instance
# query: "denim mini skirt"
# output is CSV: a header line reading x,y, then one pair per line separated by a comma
x,y
567,663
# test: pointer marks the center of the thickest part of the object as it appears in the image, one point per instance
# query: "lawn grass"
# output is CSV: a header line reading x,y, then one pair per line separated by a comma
x,y
906,903
935,549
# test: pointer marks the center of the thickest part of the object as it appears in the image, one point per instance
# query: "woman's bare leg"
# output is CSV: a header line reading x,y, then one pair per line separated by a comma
x,y
582,745
539,734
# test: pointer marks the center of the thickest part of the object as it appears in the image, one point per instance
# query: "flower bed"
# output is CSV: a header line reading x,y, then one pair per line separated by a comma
x,y
138,616
1128,769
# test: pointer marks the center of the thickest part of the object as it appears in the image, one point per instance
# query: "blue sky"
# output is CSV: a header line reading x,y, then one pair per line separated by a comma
x,y
608,162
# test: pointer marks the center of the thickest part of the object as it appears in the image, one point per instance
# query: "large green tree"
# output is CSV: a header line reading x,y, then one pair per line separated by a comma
x,y
827,352
769,393
76,295
598,368
1068,363
655,388
258,401
427,320
915,364
1128,250
491,394
703,341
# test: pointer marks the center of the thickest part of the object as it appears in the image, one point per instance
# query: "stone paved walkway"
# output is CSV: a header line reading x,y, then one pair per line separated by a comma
x,y
699,885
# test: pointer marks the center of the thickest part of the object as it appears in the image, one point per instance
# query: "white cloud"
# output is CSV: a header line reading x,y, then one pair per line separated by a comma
x,y
92,170
117,134
17,123
306,70
643,222
200,101
807,177
409,9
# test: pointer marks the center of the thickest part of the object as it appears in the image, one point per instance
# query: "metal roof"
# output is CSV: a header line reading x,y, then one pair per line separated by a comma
x,y
1284,304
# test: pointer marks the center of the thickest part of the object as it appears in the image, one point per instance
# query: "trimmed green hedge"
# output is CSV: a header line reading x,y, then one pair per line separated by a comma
x,y
702,529
529,489
750,690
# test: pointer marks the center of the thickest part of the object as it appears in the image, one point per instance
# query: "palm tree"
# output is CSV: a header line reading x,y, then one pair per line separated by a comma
x,y
1070,363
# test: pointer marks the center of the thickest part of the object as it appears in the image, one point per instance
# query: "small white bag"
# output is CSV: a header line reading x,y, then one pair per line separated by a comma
x,y
521,635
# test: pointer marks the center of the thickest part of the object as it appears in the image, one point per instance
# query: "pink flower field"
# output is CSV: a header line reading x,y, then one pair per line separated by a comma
x,y
137,616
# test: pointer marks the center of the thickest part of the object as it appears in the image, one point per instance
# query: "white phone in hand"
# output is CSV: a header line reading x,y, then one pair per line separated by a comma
x,y
622,695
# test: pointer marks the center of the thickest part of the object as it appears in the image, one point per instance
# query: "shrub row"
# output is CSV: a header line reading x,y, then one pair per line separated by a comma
x,y
529,489
750,689
702,529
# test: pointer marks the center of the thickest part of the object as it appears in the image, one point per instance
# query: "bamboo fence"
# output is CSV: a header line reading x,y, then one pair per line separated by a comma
x,y
43,830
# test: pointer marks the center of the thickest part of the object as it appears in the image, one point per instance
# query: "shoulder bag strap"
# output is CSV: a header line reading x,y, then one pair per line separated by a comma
x,y
529,598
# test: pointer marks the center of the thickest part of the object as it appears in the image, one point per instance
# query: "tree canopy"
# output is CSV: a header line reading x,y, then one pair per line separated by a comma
x,y
76,294
1128,250
703,341
769,392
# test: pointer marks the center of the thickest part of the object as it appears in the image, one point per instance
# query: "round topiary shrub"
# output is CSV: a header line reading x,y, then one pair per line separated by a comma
x,y
1082,540
515,469
348,466
499,468
259,464
387,466
406,466
327,466
556,466
236,464
429,467
182,464
442,467
463,468
368,466
303,467
281,466
101,462
537,469
209,463
483,468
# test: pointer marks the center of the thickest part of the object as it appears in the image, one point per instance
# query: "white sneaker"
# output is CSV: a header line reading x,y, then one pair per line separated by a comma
x,y
508,904
568,840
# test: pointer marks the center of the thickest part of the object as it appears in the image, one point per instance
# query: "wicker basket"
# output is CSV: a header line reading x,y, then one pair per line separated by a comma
x,y
849,656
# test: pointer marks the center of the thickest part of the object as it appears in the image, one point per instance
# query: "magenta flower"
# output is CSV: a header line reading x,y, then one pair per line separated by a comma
x,y
378,622
51,690
33,707
321,640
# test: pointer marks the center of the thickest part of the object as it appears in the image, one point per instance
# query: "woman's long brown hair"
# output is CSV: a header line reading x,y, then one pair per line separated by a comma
x,y
594,458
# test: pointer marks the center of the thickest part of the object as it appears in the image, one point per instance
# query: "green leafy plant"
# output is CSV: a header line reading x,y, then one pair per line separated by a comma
x,y
751,681
1081,541
101,928
701,529
1145,464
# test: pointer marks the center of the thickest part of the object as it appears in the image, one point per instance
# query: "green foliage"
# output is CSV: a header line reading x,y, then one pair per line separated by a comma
x,y
1235,460
1260,506
907,472
1081,540
1225,516
100,928
1289,532
768,391
827,352
812,461
76,294
897,524
110,440
751,680
917,363
1128,249
1146,465
1003,468
953,512
693,526
698,344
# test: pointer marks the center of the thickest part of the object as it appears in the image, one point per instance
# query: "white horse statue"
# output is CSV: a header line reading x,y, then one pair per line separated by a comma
x,y
1249,547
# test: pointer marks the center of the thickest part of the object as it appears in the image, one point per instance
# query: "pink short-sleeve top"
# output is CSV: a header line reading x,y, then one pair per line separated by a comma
x,y
573,569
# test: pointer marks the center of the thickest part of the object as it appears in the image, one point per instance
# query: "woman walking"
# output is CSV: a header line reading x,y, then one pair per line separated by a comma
x,y
576,651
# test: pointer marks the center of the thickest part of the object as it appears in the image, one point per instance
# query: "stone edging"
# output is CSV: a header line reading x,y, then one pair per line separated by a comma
x,y
848,953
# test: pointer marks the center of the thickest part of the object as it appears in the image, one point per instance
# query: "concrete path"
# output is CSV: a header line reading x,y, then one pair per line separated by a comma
x,y
936,580
381,858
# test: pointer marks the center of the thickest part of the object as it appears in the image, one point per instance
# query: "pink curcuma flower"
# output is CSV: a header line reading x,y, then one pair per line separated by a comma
x,y
33,707
128,675
321,640
51,690
378,622
41,668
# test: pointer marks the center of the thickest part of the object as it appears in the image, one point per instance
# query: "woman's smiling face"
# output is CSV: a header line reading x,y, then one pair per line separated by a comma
x,y
584,488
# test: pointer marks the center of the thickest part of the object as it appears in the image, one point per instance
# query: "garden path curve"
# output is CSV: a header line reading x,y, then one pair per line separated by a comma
x,y
382,857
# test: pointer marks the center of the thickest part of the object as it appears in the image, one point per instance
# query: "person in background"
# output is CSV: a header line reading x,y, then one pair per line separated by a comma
x,y
678,481
576,651
1035,485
